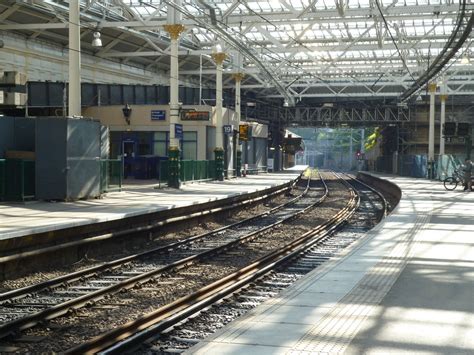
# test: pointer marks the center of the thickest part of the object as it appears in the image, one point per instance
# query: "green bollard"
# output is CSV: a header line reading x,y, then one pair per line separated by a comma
x,y
174,168
219,157
238,164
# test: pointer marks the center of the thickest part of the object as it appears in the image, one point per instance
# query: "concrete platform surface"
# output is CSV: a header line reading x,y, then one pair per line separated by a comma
x,y
407,287
18,220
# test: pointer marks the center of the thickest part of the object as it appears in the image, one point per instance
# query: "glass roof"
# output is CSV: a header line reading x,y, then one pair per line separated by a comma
x,y
325,39
300,42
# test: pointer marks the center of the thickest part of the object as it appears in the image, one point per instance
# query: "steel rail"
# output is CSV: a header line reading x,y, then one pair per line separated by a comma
x,y
131,334
139,229
92,271
375,191
84,300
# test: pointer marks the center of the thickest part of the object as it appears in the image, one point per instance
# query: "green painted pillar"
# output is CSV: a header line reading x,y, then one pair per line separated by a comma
x,y
238,164
174,167
219,157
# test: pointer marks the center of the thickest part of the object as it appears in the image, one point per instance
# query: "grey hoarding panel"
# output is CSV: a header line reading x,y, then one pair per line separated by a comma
x,y
6,135
67,158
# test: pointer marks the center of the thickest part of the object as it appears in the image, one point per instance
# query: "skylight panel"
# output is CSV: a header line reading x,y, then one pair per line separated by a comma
x,y
191,8
320,5
265,6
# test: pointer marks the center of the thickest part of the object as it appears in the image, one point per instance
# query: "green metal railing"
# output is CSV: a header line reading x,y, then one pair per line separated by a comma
x,y
190,170
110,175
19,180
163,171
194,170
2,179
211,169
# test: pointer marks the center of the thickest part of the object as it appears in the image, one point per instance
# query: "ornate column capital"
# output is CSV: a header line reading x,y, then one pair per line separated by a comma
x,y
174,30
432,87
443,97
219,57
238,77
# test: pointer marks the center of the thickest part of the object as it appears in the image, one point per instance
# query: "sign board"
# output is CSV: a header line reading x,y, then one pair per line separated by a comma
x,y
191,115
178,131
244,133
228,129
158,115
292,145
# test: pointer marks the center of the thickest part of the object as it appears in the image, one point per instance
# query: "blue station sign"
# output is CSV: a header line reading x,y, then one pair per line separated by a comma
x,y
178,131
228,129
158,115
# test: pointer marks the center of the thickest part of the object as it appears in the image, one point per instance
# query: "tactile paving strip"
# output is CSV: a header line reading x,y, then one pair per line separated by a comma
x,y
336,330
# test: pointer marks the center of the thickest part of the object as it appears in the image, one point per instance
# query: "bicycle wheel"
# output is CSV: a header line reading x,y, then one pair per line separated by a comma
x,y
450,183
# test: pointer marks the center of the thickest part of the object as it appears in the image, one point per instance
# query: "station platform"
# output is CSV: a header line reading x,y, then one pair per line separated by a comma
x,y
407,287
19,220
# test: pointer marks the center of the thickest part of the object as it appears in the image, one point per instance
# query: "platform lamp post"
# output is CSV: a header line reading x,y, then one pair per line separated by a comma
x,y
238,161
432,91
74,99
174,163
219,58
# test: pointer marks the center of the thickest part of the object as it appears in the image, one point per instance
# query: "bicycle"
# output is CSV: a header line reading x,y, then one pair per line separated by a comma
x,y
451,182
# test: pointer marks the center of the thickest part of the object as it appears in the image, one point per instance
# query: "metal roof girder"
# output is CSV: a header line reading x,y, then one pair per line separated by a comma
x,y
242,48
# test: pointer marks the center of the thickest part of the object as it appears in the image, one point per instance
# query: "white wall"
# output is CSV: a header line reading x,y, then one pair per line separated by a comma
x,y
140,120
43,61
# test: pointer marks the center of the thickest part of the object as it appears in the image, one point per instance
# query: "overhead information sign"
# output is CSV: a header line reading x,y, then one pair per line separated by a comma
x,y
195,115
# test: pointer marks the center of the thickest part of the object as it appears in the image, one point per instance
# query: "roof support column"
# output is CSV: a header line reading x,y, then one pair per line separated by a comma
x,y
432,91
219,58
443,120
238,79
174,31
74,100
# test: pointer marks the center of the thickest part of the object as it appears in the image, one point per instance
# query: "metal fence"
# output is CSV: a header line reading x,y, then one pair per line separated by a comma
x,y
190,170
162,174
413,165
446,164
110,175
417,165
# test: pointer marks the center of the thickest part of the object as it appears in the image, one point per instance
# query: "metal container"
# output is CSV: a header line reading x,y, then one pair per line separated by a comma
x,y
67,158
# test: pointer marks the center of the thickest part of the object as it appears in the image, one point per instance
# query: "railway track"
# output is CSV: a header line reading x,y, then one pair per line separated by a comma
x,y
24,308
143,226
181,336
119,340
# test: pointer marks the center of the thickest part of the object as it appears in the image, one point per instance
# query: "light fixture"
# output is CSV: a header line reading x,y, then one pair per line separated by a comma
x,y
96,42
217,48
127,111
465,59
286,104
